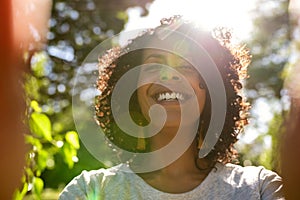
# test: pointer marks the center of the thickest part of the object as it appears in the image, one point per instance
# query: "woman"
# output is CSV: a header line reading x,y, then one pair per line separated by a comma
x,y
175,97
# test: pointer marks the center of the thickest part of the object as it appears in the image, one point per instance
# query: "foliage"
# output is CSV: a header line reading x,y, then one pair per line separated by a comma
x,y
259,152
76,27
270,48
44,144
269,44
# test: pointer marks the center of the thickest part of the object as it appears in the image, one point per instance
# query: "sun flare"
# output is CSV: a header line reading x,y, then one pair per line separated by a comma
x,y
234,14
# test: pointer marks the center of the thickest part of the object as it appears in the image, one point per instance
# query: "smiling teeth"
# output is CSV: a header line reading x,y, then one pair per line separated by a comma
x,y
170,96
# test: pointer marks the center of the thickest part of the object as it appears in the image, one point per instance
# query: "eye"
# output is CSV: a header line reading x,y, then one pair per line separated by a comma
x,y
152,68
187,68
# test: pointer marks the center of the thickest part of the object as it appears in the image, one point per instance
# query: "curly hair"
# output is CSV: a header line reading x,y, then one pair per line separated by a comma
x,y
231,61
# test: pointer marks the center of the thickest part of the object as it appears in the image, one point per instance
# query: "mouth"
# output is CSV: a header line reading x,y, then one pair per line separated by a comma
x,y
170,97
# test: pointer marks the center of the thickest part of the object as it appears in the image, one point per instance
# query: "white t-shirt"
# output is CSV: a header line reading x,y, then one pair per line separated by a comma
x,y
225,182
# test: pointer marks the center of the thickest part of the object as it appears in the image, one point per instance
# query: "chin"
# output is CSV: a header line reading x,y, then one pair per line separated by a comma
x,y
174,121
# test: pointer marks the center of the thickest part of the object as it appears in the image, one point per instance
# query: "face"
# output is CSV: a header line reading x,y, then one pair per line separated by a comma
x,y
162,79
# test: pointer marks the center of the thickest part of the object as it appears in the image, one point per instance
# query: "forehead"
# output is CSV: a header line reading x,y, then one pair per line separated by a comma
x,y
158,54
178,46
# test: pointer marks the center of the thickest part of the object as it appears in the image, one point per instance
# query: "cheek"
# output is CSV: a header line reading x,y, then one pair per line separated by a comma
x,y
200,92
140,96
201,95
142,101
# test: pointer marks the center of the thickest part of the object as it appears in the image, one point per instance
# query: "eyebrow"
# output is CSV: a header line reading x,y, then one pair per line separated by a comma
x,y
159,56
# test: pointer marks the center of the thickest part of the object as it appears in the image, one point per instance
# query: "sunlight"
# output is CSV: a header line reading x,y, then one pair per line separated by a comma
x,y
234,14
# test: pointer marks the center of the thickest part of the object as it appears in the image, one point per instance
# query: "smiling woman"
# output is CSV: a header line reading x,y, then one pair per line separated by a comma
x,y
158,74
179,67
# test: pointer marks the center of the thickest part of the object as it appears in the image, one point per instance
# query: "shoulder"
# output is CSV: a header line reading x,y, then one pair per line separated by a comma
x,y
94,182
99,176
250,174
266,183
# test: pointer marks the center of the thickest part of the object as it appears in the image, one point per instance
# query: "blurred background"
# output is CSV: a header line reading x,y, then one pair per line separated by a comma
x,y
54,37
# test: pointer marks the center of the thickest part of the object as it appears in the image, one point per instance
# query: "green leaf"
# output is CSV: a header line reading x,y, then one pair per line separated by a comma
x,y
35,106
38,62
69,152
42,159
40,125
24,190
19,195
72,139
29,139
38,185
29,172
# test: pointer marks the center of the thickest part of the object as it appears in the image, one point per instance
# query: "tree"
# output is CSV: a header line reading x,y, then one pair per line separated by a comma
x,y
76,27
270,46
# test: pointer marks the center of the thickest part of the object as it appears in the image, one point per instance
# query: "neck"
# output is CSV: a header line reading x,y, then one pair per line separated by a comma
x,y
187,161
181,175
185,164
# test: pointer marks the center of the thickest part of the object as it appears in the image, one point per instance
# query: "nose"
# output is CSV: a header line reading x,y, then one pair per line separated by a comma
x,y
168,74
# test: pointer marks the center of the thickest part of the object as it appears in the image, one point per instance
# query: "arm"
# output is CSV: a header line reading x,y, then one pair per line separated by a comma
x,y
270,185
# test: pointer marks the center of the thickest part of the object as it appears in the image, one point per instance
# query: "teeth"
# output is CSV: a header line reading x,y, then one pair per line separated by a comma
x,y
170,96
173,96
179,96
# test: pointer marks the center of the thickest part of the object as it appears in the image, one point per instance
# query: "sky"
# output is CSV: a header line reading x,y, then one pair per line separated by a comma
x,y
234,14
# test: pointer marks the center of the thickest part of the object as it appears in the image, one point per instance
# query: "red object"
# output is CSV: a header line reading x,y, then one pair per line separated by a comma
x,y
12,147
